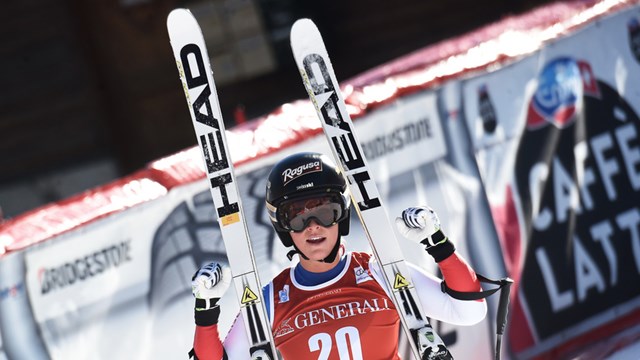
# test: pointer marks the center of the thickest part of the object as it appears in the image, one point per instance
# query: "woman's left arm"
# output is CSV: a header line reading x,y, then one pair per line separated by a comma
x,y
439,305
422,225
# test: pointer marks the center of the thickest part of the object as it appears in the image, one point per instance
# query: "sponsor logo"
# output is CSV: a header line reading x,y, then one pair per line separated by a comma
x,y
284,329
558,94
291,174
84,268
340,311
337,126
398,139
579,201
11,291
438,354
326,314
304,186
283,294
362,275
211,141
326,293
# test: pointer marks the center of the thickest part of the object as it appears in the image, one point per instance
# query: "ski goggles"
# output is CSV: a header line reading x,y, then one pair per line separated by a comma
x,y
295,215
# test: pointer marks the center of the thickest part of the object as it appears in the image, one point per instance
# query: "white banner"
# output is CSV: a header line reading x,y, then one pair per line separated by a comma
x,y
402,136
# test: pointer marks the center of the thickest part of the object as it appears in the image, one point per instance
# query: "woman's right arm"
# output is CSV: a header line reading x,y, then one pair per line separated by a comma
x,y
208,285
206,341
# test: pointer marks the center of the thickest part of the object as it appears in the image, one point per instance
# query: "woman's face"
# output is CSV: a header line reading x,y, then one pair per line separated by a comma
x,y
316,230
316,241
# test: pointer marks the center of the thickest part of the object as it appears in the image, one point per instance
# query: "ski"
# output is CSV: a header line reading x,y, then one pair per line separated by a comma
x,y
320,82
192,60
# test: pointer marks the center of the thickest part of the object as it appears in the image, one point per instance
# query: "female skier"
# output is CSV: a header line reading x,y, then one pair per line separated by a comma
x,y
333,304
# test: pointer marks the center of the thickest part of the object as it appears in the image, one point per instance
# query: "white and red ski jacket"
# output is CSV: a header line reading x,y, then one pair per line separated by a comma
x,y
349,312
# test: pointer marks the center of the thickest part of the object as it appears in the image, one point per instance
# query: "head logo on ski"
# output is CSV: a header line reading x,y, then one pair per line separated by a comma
x,y
326,101
319,80
192,60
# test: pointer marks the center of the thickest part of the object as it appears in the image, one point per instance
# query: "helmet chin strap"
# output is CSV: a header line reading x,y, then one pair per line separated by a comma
x,y
334,252
329,259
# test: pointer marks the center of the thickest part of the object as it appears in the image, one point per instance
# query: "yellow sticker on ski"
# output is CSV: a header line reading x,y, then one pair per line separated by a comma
x,y
248,296
400,282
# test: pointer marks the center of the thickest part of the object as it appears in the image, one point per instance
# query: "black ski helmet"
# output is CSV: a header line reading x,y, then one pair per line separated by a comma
x,y
301,175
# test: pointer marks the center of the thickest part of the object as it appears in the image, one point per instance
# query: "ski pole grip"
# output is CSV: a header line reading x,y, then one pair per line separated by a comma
x,y
503,305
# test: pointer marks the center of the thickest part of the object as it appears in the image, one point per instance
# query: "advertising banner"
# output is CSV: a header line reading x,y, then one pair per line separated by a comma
x,y
558,147
120,286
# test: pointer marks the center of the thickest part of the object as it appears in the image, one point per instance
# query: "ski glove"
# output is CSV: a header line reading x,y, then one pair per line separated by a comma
x,y
422,225
208,285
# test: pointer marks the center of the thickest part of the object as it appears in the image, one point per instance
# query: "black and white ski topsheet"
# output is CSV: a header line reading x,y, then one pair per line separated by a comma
x,y
321,84
190,52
